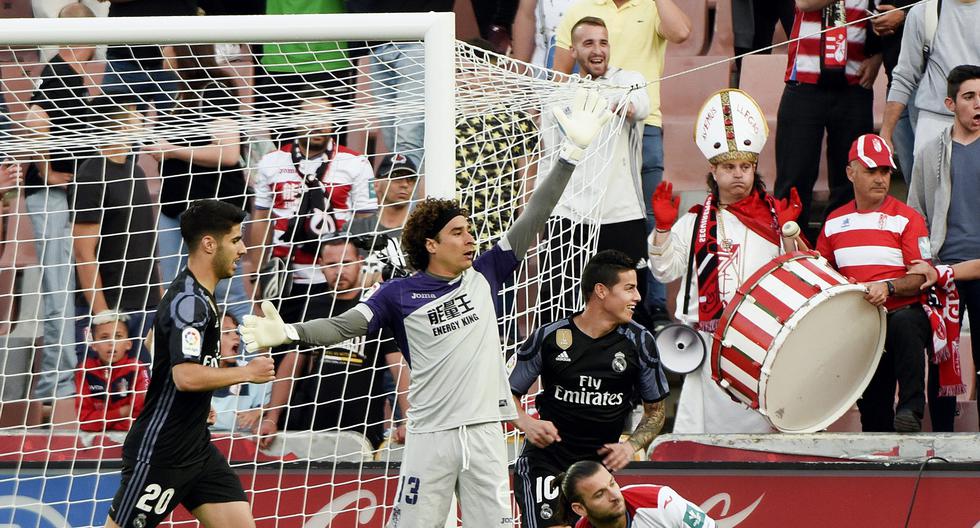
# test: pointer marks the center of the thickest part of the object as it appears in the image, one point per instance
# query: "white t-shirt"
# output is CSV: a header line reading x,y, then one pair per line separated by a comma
x,y
547,15
611,168
279,188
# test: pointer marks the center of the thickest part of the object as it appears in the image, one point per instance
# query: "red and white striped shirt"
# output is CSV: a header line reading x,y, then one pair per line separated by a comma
x,y
805,55
279,188
875,245
651,506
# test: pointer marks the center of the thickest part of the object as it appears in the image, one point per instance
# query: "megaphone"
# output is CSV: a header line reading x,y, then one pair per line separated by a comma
x,y
681,348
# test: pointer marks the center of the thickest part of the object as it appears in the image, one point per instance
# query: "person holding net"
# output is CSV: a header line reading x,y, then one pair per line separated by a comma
x,y
444,321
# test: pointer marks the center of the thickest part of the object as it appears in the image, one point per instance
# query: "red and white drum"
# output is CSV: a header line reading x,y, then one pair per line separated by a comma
x,y
798,343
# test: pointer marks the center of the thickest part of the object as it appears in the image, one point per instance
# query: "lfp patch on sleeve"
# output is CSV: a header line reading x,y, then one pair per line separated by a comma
x,y
191,342
925,248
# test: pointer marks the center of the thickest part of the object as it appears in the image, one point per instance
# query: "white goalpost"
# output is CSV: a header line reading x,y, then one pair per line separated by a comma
x,y
328,461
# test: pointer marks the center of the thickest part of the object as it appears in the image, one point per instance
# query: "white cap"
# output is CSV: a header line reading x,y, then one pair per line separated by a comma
x,y
731,126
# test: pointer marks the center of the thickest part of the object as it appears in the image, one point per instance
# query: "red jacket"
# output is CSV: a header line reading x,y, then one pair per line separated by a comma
x,y
99,409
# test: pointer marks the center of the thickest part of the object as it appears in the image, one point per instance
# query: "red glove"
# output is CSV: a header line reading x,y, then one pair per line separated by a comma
x,y
788,209
665,205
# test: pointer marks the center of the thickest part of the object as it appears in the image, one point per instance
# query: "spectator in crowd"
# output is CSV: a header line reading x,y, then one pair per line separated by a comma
x,y
945,187
535,30
832,65
741,234
339,386
612,172
398,75
199,159
590,491
236,407
872,240
394,186
889,25
139,70
494,19
114,229
754,22
111,381
305,193
639,32
58,108
593,368
956,41
55,8
492,149
290,66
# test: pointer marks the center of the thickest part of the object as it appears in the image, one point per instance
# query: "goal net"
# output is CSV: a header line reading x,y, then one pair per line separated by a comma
x,y
111,151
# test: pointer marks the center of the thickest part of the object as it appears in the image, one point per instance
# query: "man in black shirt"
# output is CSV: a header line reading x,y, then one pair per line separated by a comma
x,y
114,227
139,69
168,457
340,387
593,366
57,110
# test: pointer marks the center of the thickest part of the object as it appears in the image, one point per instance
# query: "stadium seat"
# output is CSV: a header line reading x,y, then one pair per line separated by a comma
x,y
723,34
329,446
697,11
681,98
16,9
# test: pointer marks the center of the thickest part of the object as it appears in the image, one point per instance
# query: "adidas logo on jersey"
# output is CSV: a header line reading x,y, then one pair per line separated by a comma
x,y
563,357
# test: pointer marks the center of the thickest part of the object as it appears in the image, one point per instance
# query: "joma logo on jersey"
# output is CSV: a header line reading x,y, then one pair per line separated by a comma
x,y
423,296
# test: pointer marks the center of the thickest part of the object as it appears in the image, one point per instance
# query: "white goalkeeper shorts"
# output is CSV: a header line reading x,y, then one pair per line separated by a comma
x,y
470,461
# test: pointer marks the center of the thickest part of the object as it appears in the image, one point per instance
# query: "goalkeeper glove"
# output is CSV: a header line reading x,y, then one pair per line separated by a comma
x,y
269,331
589,113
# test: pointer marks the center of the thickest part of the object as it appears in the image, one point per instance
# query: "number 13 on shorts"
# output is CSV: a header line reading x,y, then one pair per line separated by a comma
x,y
408,489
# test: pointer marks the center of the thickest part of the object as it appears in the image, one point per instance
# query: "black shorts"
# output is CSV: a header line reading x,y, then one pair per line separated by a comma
x,y
536,486
147,494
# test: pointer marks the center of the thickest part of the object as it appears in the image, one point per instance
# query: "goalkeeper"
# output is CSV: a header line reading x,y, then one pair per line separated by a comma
x,y
444,321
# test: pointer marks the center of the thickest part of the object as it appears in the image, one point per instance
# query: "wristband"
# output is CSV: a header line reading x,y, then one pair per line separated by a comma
x,y
291,333
891,288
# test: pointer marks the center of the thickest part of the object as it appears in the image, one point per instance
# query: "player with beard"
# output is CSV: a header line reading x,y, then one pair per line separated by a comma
x,y
590,491
444,321
593,366
168,457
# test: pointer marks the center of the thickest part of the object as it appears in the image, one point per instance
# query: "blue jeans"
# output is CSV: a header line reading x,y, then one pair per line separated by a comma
x,y
652,172
398,74
50,217
903,138
172,257
128,77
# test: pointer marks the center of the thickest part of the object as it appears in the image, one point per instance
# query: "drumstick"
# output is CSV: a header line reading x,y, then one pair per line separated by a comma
x,y
791,234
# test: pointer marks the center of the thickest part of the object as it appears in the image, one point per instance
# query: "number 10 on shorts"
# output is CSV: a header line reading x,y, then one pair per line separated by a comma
x,y
409,489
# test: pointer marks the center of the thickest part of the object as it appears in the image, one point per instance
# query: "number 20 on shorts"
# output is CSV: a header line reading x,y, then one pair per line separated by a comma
x,y
154,492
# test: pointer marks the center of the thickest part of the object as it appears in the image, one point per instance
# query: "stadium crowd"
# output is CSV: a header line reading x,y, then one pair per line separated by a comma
x,y
108,243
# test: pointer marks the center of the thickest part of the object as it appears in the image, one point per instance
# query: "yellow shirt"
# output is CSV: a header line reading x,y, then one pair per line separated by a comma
x,y
635,42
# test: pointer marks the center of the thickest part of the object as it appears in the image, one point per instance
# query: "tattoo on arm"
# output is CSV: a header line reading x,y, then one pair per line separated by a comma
x,y
649,427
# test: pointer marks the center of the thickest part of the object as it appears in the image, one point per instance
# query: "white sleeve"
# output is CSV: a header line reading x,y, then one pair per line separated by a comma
x,y
668,262
263,183
679,513
360,194
639,97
